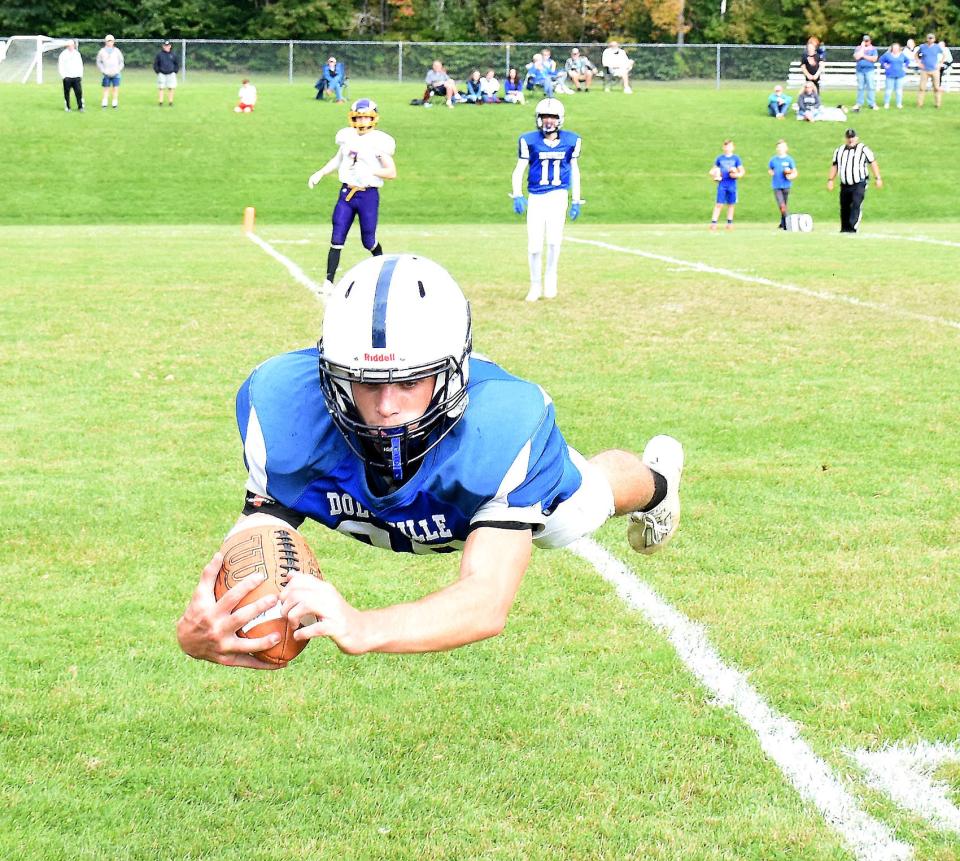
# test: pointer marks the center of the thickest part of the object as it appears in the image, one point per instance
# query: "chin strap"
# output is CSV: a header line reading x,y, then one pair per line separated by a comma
x,y
396,460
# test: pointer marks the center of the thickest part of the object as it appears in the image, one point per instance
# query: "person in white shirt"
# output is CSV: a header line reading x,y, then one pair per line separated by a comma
x,y
364,159
110,64
248,97
70,66
618,64
490,88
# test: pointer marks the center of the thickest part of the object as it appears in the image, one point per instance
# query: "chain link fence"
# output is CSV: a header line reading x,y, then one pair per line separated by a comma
x,y
408,62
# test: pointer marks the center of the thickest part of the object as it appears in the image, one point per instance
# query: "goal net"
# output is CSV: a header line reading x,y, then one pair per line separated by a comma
x,y
21,58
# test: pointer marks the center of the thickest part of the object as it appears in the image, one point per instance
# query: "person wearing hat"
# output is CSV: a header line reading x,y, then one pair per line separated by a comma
x,y
929,56
166,65
866,56
110,64
331,78
850,163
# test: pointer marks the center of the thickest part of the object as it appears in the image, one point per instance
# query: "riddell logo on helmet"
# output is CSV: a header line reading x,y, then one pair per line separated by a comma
x,y
379,357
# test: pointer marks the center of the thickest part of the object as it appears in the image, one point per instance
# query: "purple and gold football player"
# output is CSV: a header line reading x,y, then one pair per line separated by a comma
x,y
363,161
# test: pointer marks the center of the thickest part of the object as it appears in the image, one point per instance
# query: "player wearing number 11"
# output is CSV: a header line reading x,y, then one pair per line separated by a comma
x,y
550,157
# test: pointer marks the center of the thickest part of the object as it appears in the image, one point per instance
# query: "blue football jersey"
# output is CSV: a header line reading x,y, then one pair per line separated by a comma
x,y
504,461
549,165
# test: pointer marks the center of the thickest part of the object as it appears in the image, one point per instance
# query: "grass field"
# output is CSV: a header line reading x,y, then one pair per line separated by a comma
x,y
818,548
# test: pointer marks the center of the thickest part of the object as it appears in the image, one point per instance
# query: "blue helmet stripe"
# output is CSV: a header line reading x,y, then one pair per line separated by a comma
x,y
379,334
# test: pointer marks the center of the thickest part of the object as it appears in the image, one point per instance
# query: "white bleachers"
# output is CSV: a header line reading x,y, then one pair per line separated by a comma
x,y
843,75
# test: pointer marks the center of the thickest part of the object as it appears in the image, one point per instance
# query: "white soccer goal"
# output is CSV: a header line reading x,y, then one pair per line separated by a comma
x,y
22,56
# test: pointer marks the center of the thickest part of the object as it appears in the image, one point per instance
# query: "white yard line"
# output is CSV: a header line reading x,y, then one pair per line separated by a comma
x,y
925,239
766,282
298,274
868,838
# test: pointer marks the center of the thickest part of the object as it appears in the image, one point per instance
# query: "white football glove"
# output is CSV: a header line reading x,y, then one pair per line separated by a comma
x,y
315,178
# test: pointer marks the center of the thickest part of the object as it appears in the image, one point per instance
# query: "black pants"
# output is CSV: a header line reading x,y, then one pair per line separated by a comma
x,y
851,199
77,87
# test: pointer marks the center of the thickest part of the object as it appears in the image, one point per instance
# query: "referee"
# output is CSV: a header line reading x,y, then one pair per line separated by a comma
x,y
850,164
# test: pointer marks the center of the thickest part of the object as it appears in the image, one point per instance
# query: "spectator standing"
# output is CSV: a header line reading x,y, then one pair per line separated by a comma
x,y
333,77
490,88
811,63
70,67
894,65
617,64
166,65
726,170
580,70
513,88
783,170
778,102
110,64
808,103
866,56
910,52
929,58
851,162
247,97
946,60
439,83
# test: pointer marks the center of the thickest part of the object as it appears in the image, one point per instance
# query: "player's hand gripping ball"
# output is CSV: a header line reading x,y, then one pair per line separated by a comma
x,y
715,174
273,553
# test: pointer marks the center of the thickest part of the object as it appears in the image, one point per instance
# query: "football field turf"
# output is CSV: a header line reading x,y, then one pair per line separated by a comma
x,y
814,382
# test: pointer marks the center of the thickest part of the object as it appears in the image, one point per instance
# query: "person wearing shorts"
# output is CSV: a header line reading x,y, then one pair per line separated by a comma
x,y
727,169
166,65
110,64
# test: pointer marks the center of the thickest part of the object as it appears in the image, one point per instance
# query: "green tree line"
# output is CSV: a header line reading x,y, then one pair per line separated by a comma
x,y
744,21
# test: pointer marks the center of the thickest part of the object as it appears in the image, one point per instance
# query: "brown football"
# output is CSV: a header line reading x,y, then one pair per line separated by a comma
x,y
276,552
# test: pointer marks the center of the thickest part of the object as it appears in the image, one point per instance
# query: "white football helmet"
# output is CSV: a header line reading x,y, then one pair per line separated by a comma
x,y
549,108
391,319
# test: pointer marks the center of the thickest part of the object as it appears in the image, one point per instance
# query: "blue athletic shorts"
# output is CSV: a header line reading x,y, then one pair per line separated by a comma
x,y
726,194
111,81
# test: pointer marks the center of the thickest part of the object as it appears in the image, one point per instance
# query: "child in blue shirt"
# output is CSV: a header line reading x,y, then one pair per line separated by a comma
x,y
727,169
783,170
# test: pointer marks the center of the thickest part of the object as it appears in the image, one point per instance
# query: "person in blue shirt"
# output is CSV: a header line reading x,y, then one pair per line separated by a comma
x,y
727,169
513,88
894,65
783,170
551,157
474,88
539,75
392,431
332,78
866,56
778,102
928,59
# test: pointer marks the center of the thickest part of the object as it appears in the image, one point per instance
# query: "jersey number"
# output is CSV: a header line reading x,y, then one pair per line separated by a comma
x,y
545,168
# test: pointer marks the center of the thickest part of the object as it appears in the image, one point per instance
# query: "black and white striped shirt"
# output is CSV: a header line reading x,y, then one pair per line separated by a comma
x,y
852,163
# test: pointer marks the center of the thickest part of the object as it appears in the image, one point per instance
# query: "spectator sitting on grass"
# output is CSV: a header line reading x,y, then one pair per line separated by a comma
x,y
474,90
439,83
808,103
778,102
490,88
513,88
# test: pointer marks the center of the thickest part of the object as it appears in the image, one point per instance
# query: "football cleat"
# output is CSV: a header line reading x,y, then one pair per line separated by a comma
x,y
326,289
534,293
648,531
549,289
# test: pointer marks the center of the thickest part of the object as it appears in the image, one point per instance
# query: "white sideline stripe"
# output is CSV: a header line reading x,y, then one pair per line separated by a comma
x,y
766,282
905,773
298,274
868,838
925,239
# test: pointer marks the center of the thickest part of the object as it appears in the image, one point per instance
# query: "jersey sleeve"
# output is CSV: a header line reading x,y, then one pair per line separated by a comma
x,y
575,153
523,149
540,476
868,154
388,146
341,137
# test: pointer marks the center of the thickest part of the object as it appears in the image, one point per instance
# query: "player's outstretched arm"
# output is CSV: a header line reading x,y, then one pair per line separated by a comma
x,y
329,167
473,608
207,629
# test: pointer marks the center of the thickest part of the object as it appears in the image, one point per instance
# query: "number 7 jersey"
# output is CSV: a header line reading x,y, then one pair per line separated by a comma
x,y
549,168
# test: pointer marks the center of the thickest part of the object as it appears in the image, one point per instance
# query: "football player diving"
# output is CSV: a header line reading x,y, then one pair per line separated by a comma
x,y
363,161
392,430
550,157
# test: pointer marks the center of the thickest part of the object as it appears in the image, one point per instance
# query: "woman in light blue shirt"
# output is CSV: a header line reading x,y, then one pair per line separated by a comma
x,y
894,65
